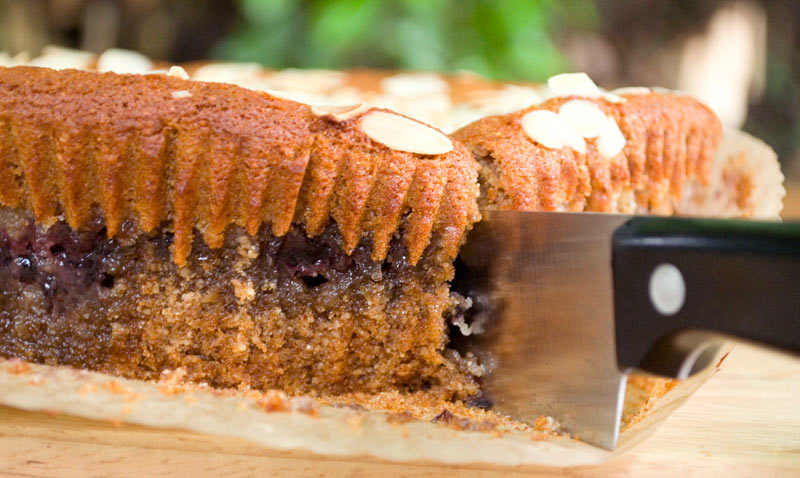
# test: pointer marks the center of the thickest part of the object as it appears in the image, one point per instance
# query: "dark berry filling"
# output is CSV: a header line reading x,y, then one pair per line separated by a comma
x,y
67,266
292,312
312,259
64,264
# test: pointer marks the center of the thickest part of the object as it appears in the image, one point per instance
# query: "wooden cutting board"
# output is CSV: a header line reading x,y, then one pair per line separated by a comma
x,y
744,422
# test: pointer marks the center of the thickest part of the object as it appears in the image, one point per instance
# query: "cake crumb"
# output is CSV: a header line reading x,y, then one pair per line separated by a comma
x,y
18,367
305,405
399,418
541,424
243,290
116,387
171,381
274,401
247,249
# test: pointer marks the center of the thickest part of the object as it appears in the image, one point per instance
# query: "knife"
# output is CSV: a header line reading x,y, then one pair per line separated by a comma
x,y
567,304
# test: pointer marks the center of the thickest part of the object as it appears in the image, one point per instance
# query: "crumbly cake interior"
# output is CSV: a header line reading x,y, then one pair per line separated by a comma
x,y
292,312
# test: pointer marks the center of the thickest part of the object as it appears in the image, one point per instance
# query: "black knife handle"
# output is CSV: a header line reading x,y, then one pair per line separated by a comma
x,y
740,279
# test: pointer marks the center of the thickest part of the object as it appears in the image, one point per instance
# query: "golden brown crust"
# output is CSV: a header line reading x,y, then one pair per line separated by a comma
x,y
669,138
205,156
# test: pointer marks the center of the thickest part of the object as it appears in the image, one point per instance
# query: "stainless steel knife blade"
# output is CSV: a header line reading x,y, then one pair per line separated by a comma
x,y
555,294
545,280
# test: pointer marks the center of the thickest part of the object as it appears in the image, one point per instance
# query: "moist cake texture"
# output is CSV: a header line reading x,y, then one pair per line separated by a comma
x,y
294,312
152,222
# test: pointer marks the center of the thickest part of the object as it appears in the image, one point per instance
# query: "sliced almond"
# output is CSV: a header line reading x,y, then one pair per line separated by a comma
x,y
306,81
573,84
226,72
414,84
178,72
552,131
661,90
60,58
123,61
403,134
181,94
585,116
5,59
21,58
613,97
500,101
339,113
611,141
632,90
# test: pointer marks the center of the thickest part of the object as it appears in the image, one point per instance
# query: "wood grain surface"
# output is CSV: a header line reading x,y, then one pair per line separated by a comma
x,y
744,422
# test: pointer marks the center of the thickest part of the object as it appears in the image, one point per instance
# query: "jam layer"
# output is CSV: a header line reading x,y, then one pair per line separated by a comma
x,y
288,312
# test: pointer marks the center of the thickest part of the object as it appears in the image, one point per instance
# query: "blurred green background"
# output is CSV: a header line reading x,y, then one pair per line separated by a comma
x,y
495,39
742,56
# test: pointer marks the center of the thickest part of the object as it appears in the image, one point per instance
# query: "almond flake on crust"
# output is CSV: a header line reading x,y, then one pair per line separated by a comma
x,y
60,58
663,91
178,72
404,134
123,61
179,94
573,84
22,58
6,60
632,90
611,141
413,84
613,97
305,81
227,72
585,116
339,113
552,131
